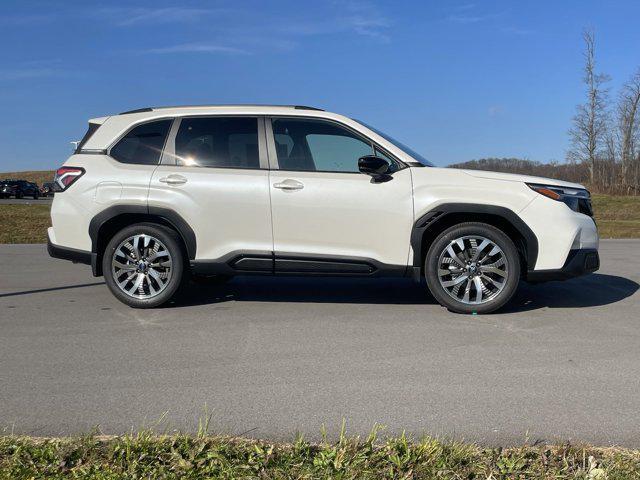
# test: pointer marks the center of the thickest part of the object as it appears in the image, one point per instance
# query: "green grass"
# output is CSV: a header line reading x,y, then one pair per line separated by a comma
x,y
149,456
617,216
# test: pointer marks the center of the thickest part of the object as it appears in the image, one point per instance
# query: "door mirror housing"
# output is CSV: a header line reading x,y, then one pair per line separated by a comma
x,y
377,168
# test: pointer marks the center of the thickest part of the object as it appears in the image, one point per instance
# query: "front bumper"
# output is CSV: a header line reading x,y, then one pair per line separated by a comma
x,y
579,262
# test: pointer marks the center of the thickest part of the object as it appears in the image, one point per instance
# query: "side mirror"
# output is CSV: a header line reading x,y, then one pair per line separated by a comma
x,y
375,167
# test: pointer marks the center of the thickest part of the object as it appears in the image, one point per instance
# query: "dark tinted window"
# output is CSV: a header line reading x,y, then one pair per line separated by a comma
x,y
143,144
222,142
317,146
90,131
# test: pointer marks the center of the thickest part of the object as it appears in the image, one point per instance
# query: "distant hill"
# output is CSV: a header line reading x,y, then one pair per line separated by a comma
x,y
38,176
571,172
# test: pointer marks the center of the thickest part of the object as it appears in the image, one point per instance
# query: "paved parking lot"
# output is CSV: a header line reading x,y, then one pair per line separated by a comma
x,y
273,356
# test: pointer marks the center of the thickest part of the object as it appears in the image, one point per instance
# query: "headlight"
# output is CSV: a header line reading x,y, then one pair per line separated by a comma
x,y
577,199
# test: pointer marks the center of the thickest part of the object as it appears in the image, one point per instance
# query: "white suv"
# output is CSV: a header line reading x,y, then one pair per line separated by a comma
x,y
154,196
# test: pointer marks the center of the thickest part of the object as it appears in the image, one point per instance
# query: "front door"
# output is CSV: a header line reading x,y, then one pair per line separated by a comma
x,y
327,216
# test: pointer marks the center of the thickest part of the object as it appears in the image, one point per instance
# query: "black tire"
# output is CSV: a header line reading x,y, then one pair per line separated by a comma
x,y
440,244
173,244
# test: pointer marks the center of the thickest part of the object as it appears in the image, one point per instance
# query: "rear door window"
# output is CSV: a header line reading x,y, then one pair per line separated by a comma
x,y
218,142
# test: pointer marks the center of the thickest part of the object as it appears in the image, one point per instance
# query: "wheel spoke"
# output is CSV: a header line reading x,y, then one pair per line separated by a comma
x,y
479,289
454,256
456,281
467,290
497,271
480,248
122,266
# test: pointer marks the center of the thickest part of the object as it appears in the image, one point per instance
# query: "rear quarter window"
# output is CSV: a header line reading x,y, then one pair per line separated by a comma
x,y
143,144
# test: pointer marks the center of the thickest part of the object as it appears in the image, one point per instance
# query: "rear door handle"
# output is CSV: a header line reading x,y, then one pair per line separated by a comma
x,y
174,179
289,184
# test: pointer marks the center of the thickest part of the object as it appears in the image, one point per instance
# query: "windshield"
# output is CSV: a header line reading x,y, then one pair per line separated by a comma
x,y
400,145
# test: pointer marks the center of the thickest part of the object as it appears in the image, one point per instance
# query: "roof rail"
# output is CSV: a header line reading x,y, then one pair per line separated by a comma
x,y
138,110
151,109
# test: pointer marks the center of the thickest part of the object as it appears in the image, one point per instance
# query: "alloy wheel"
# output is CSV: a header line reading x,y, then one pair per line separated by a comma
x,y
473,269
141,266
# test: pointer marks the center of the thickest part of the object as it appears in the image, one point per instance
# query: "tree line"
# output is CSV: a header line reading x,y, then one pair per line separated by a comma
x,y
604,137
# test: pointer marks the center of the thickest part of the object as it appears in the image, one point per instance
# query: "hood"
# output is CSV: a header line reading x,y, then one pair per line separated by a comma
x,y
514,177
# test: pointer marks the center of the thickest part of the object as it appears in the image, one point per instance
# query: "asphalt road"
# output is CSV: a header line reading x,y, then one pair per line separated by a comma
x,y
270,357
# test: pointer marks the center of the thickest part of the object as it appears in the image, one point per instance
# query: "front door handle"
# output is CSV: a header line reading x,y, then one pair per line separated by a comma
x,y
289,184
174,179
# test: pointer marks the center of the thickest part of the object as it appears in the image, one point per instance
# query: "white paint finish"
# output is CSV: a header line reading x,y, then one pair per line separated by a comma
x,y
108,193
228,209
556,227
343,214
73,209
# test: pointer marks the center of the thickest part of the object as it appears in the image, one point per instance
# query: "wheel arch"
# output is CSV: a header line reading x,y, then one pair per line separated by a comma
x,y
113,219
435,221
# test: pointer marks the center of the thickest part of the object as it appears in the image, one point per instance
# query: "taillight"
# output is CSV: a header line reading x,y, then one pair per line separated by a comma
x,y
66,176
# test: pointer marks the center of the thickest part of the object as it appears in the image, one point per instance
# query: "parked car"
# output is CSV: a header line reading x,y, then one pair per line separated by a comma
x,y
47,189
153,195
19,189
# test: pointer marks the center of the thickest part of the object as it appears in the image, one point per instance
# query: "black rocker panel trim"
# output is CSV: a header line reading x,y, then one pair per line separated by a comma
x,y
431,219
261,262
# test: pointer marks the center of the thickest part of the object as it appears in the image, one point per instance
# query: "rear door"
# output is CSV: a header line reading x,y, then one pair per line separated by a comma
x,y
214,174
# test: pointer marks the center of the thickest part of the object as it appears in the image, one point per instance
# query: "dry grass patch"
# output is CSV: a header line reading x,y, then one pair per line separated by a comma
x,y
24,223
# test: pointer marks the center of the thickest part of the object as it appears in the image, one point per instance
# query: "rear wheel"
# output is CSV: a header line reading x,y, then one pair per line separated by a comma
x,y
144,265
472,268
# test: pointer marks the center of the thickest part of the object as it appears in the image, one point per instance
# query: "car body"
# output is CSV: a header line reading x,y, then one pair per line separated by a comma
x,y
18,189
290,190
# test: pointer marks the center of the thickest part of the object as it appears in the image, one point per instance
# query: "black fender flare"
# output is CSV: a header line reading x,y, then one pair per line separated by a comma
x,y
430,219
167,215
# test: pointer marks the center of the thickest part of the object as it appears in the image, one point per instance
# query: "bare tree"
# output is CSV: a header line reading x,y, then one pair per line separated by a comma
x,y
629,132
590,123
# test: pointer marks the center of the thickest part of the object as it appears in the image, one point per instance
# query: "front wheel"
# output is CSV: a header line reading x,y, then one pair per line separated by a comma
x,y
472,268
144,265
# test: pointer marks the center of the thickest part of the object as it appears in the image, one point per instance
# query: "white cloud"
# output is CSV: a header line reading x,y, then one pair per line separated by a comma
x,y
127,17
197,48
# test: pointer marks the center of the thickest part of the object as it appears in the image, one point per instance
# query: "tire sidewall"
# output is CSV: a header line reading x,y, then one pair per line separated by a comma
x,y
457,231
178,264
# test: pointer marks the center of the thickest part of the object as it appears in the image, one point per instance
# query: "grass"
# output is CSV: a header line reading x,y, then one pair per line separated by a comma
x,y
150,456
617,216
24,223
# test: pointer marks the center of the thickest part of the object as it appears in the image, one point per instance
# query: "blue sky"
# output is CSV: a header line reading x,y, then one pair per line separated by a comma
x,y
456,80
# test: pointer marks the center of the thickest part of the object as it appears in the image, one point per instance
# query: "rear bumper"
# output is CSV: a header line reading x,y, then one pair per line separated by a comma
x,y
66,253
579,262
